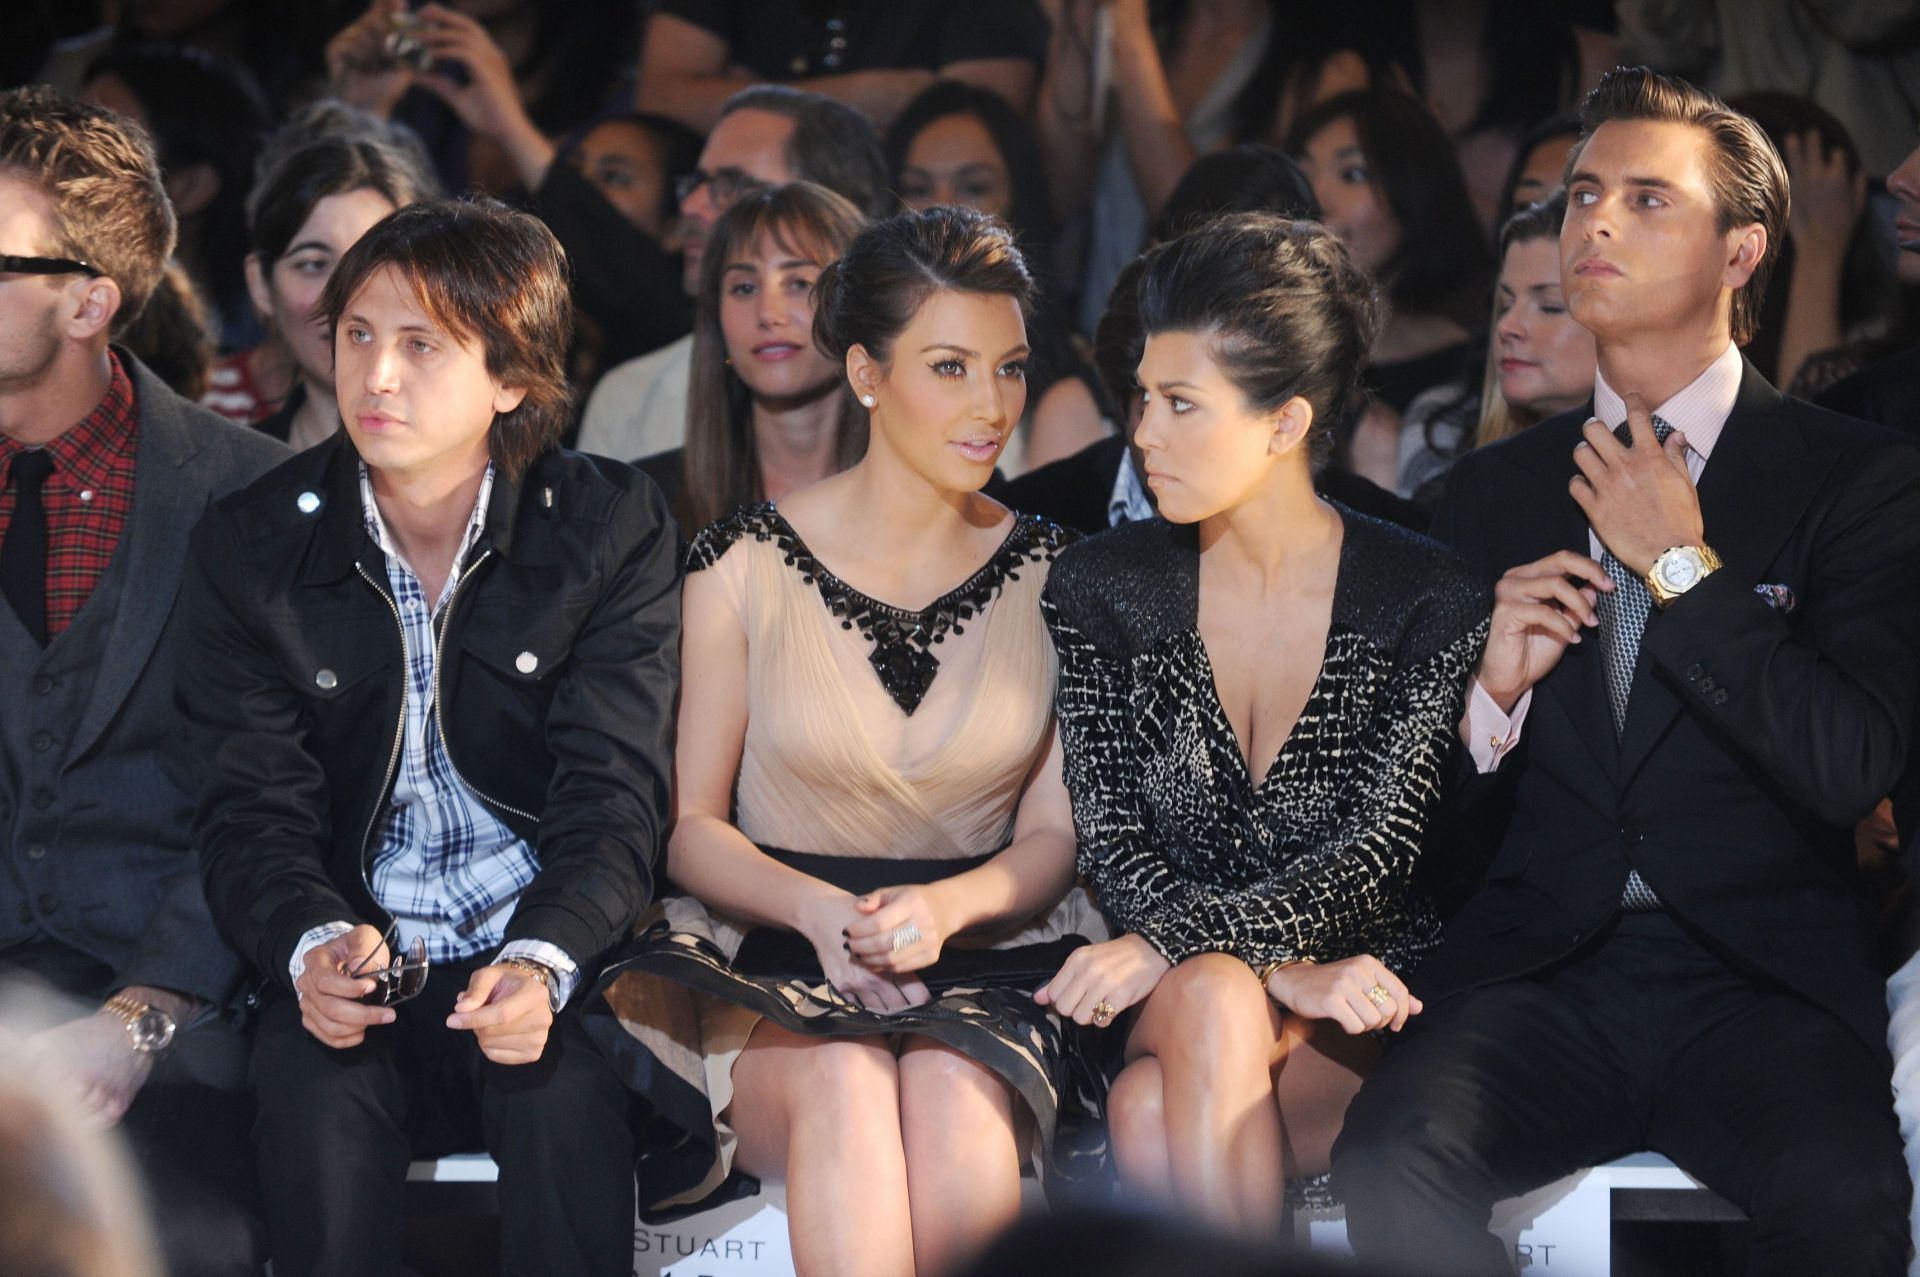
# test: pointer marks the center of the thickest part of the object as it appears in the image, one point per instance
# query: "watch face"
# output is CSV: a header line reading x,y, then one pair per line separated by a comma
x,y
152,1031
1679,572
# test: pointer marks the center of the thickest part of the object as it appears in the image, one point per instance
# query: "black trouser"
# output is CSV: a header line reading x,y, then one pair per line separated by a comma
x,y
186,1129
1643,1040
336,1130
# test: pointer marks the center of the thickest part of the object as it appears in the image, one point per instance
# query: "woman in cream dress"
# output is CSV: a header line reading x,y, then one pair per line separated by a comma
x,y
872,834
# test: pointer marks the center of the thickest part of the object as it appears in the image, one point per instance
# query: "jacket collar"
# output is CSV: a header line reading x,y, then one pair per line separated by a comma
x,y
340,540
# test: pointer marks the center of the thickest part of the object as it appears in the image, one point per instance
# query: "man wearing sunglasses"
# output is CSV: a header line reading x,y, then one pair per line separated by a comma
x,y
430,668
103,473
767,135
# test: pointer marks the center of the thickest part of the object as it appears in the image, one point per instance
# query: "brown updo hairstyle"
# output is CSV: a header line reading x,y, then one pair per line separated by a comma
x,y
486,273
1286,312
872,293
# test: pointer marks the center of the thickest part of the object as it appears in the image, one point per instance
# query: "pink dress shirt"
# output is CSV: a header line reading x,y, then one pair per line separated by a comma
x,y
1698,411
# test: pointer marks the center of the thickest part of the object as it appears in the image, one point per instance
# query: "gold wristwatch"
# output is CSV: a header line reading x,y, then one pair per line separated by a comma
x,y
533,970
149,1029
1678,570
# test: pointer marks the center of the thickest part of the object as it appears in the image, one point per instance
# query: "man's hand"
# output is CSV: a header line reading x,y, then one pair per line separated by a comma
x,y
330,1005
1538,609
94,1055
360,72
1640,500
509,1013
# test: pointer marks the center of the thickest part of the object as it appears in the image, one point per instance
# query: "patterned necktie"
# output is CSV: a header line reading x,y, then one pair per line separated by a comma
x,y
1623,619
23,555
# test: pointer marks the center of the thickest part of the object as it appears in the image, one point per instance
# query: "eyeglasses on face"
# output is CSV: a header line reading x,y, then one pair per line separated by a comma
x,y
47,266
398,980
729,184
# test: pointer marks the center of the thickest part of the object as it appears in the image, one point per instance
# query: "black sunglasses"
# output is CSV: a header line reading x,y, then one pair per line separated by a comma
x,y
400,979
47,266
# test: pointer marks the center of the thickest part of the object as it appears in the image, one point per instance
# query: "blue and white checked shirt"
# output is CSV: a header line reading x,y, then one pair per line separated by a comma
x,y
444,865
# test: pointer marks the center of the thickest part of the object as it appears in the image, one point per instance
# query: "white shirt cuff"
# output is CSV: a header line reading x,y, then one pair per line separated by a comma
x,y
1488,731
313,940
566,973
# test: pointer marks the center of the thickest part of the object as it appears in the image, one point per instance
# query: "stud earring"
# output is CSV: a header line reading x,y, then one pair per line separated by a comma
x,y
867,400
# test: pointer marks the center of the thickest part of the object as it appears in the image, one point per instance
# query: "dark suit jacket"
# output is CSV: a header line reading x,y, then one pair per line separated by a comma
x,y
1073,491
121,866
1756,737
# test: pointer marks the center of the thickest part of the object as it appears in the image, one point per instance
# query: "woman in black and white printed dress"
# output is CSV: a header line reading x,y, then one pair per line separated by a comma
x,y
1258,693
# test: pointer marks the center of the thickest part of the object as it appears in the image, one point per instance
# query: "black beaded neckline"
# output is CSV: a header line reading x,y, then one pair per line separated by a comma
x,y
903,640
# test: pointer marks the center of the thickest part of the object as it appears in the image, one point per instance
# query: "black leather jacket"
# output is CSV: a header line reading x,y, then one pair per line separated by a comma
x,y
557,677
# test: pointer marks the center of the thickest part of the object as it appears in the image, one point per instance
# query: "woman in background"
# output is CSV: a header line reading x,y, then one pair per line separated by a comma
x,y
767,411
1539,362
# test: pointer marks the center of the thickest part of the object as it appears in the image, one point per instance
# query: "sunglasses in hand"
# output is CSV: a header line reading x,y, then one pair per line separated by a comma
x,y
400,979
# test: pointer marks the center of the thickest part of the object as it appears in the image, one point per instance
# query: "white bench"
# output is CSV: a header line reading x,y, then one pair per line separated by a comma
x,y
1566,1226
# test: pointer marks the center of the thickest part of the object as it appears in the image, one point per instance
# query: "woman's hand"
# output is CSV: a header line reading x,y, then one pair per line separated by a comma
x,y
1110,976
825,922
1338,991
872,940
1827,198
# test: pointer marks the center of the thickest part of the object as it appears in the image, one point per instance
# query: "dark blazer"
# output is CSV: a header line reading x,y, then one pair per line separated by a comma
x,y
1073,491
1887,393
1756,736
558,671
106,867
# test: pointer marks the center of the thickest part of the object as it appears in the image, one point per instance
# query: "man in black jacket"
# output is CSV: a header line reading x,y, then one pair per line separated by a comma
x,y
431,669
1689,696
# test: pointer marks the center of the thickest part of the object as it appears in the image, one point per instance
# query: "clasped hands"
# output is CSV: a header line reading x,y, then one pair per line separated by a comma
x,y
508,1012
854,938
1640,501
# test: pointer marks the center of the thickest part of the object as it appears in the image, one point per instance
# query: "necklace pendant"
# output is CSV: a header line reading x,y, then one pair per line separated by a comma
x,y
905,671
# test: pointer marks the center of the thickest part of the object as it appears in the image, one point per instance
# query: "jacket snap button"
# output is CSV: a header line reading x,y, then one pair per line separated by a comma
x,y
1695,670
326,680
36,851
526,662
308,502
1719,697
1706,685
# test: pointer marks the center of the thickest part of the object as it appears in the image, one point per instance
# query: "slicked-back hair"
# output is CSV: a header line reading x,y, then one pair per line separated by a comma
x,y
1285,311
832,145
486,273
1747,177
721,463
872,293
102,182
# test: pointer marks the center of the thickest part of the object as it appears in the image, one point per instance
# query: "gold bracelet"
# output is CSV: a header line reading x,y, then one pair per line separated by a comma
x,y
530,969
1266,972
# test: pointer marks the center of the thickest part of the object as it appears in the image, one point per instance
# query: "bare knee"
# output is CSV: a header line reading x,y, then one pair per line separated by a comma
x,y
940,1085
1137,1107
1210,1007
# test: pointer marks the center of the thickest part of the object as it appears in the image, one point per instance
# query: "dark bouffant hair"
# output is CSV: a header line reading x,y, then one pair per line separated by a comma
x,y
486,272
871,294
1249,178
1287,310
1748,178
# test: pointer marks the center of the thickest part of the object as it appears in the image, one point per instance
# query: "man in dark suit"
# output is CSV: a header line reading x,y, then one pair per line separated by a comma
x,y
103,474
1700,676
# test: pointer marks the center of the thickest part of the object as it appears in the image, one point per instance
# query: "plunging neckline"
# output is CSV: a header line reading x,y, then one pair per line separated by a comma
x,y
1244,753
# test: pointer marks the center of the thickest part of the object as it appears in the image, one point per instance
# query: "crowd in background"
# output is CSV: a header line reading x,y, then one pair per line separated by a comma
x,y
704,164
1422,127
